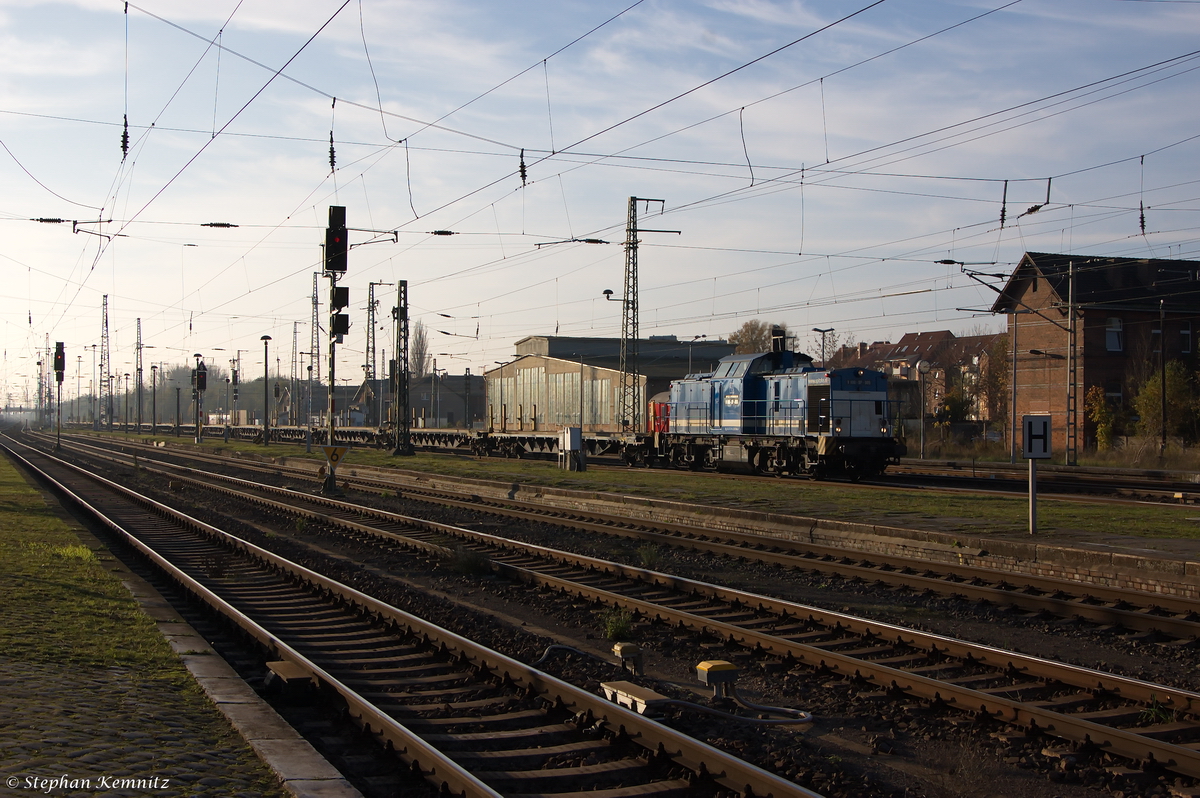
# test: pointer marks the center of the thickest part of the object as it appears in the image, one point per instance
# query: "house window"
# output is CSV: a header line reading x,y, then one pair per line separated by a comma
x,y
1185,337
1112,392
1114,337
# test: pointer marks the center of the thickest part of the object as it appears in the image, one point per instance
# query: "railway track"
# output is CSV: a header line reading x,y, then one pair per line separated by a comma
x,y
1149,724
467,720
1115,608
1126,485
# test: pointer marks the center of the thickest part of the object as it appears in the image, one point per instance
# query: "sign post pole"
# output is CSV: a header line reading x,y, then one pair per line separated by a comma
x,y
1036,447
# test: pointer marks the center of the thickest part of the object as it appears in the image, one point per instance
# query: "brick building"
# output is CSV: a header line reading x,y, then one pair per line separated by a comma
x,y
956,364
1124,311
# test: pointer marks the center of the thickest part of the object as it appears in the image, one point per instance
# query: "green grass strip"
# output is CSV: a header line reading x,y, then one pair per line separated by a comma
x,y
58,601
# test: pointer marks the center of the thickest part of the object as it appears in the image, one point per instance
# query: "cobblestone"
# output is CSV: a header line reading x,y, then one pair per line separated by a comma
x,y
93,711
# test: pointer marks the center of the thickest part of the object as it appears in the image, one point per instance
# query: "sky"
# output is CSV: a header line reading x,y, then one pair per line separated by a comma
x,y
814,161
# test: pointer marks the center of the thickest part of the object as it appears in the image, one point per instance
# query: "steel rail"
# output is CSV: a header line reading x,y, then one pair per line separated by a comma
x,y
729,771
1122,742
1064,598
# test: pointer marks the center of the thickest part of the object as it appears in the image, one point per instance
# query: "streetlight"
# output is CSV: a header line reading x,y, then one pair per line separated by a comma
x,y
822,331
266,339
922,369
695,338
153,398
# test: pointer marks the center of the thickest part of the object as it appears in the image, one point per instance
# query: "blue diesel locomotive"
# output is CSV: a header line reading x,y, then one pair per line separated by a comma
x,y
775,413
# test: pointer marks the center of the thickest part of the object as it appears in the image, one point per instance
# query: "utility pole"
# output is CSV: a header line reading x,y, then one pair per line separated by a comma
x,y
400,415
370,371
138,375
629,404
295,366
1071,455
337,248
106,397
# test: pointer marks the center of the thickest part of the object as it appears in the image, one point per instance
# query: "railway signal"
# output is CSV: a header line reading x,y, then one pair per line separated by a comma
x,y
337,243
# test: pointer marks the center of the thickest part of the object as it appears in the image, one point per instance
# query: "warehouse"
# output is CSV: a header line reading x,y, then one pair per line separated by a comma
x,y
540,389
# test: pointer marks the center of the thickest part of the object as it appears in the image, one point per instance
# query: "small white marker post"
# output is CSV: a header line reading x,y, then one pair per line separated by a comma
x,y
1036,446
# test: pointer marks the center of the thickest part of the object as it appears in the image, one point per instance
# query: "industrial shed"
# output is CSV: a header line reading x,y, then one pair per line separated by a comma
x,y
540,389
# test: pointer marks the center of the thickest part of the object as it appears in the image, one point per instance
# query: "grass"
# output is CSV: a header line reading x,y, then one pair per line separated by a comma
x,y
962,514
58,601
617,623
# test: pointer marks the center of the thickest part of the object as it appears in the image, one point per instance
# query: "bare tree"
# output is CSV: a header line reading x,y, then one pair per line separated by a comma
x,y
754,336
418,351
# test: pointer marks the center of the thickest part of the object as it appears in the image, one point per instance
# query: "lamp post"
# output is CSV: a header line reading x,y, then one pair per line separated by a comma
x,y
266,339
695,338
95,415
308,411
78,395
922,370
153,398
823,332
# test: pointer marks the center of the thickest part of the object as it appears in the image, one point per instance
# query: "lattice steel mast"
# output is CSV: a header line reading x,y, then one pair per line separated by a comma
x,y
106,398
139,375
629,404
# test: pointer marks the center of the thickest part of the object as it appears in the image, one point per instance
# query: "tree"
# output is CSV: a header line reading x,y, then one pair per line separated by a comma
x,y
1183,411
418,351
994,378
1100,414
754,336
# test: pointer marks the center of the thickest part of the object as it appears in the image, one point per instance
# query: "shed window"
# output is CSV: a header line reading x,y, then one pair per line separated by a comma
x,y
1114,336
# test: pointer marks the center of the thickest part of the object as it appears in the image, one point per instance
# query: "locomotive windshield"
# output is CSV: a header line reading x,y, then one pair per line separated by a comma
x,y
734,368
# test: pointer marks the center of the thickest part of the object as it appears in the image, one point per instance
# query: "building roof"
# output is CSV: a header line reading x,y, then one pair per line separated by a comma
x,y
659,347
1104,282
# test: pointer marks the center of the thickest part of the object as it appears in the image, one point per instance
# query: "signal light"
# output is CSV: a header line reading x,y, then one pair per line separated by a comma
x,y
339,324
336,240
339,297
201,377
60,357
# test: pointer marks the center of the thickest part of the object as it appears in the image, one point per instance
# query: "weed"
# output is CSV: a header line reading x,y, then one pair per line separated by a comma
x,y
648,555
1156,713
300,524
617,622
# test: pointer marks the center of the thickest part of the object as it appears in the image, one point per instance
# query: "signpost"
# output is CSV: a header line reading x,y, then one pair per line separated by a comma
x,y
1035,446
333,456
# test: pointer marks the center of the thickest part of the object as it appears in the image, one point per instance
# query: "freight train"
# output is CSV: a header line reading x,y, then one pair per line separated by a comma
x,y
774,413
